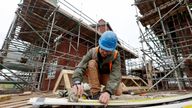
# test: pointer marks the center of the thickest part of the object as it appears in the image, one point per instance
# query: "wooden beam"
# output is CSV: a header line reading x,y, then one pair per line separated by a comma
x,y
57,82
4,97
128,102
63,79
67,81
136,88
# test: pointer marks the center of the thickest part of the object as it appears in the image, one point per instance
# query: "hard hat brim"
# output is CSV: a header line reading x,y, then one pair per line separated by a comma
x,y
105,48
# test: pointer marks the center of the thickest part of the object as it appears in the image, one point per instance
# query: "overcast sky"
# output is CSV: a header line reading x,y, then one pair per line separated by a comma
x,y
119,13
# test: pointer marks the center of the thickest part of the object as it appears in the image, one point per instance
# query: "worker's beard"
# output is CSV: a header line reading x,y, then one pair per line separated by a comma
x,y
103,55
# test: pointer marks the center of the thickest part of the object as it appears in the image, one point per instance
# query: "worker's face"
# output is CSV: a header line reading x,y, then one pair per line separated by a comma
x,y
105,53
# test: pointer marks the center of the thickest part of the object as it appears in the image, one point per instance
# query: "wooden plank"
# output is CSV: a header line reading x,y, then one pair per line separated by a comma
x,y
64,75
138,87
67,81
131,77
138,102
135,88
15,99
187,104
18,101
28,106
4,97
26,93
25,104
13,104
57,82
67,71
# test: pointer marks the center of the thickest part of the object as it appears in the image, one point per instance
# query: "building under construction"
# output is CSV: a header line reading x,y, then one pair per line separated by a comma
x,y
43,39
45,42
166,41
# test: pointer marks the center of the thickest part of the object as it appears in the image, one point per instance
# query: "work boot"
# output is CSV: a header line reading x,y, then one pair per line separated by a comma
x,y
62,93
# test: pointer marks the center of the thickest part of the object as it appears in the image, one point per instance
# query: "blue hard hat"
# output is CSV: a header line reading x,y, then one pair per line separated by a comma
x,y
108,41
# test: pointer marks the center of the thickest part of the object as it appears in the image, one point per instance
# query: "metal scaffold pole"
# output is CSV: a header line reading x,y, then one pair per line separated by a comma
x,y
46,51
166,40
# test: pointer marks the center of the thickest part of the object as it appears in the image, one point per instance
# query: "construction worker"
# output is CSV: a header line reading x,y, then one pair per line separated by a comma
x,y
101,65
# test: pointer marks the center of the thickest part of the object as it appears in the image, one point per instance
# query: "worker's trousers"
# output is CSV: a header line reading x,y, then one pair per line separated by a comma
x,y
95,79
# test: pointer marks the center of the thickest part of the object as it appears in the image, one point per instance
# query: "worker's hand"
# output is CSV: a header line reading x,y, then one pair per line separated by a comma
x,y
78,89
104,98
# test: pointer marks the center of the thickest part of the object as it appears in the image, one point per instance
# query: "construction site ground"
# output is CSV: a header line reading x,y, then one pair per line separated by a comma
x,y
22,100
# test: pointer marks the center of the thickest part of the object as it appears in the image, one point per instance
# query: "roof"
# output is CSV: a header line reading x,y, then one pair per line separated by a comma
x,y
65,23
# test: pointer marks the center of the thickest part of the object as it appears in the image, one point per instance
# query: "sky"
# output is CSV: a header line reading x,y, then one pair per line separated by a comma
x,y
119,13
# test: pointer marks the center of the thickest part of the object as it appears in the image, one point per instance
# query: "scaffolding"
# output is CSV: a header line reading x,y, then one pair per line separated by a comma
x,y
43,39
166,39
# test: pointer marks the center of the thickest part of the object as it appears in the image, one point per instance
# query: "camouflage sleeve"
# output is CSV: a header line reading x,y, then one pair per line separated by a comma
x,y
81,67
115,76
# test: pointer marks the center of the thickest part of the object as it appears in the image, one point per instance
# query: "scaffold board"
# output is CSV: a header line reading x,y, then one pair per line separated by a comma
x,y
181,100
